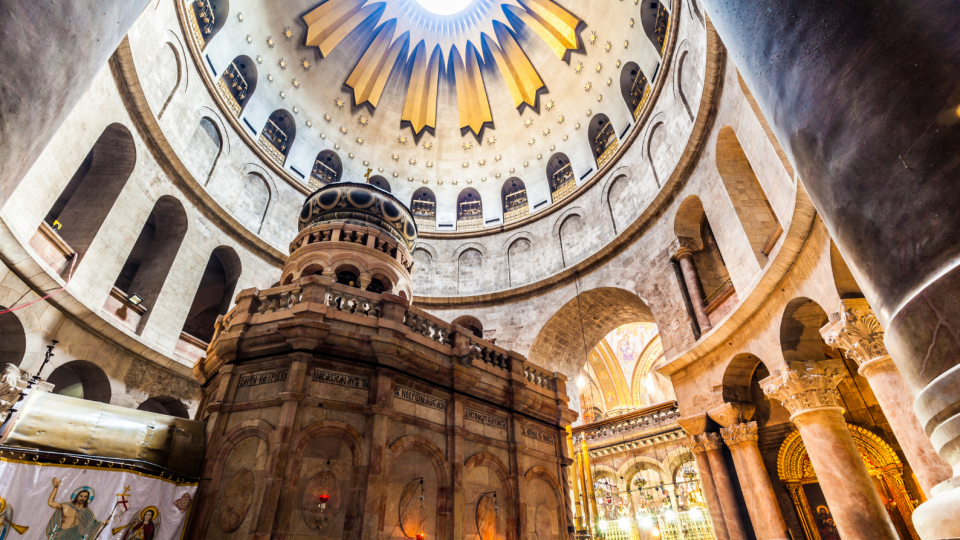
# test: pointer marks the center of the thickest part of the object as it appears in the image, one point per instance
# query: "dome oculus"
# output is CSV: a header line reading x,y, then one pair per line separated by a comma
x,y
444,7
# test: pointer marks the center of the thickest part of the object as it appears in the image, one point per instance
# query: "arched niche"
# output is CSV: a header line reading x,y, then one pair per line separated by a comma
x,y
655,18
470,272
208,17
88,198
206,145
601,136
252,203
327,168
513,197
151,258
800,339
714,279
214,293
81,379
633,87
560,176
278,135
471,323
13,338
423,205
167,405
380,182
469,210
238,83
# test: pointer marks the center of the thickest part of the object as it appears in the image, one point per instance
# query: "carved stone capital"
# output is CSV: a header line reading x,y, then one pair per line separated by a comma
x,y
710,441
682,247
693,425
729,414
739,433
856,330
802,387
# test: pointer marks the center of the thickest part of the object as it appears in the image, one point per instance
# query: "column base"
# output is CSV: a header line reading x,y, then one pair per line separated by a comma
x,y
939,517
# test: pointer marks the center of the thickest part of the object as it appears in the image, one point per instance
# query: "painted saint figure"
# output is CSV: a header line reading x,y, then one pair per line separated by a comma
x,y
143,526
6,520
72,520
826,524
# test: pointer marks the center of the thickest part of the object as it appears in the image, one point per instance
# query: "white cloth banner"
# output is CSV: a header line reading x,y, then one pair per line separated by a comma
x,y
42,501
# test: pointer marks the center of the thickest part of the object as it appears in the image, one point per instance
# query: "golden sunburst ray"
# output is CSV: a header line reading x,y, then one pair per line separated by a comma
x,y
370,75
420,107
472,99
522,79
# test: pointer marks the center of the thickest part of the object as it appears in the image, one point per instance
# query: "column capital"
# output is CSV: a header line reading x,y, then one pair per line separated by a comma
x,y
803,387
682,247
710,441
739,433
856,330
732,413
693,425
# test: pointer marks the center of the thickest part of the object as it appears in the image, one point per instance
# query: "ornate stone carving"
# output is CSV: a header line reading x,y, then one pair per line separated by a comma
x,y
739,433
856,330
730,414
710,441
801,387
693,425
682,247
12,384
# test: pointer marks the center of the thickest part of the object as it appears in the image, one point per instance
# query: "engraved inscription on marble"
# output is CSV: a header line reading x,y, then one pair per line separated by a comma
x,y
340,379
262,378
483,418
538,435
413,396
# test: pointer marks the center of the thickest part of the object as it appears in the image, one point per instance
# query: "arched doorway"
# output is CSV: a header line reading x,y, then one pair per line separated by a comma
x,y
13,339
560,177
214,293
81,379
797,475
165,405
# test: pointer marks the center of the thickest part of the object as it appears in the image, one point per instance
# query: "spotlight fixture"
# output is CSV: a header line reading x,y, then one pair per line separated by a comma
x,y
135,299
56,225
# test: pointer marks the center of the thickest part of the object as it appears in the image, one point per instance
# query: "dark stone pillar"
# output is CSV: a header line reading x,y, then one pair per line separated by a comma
x,y
49,55
864,95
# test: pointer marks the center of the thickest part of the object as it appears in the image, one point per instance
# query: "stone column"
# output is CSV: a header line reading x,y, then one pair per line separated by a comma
x,y
886,189
713,445
762,504
697,447
856,330
682,252
810,393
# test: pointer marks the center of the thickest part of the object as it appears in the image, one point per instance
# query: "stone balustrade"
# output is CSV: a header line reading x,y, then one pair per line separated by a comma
x,y
654,418
354,234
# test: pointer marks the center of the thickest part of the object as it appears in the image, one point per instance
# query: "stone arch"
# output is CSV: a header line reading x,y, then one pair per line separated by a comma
x,y
695,12
253,201
210,15
683,82
152,256
520,254
738,377
655,140
514,200
847,286
81,379
560,176
214,292
654,17
400,469
206,146
633,85
600,135
800,339
380,182
471,323
691,223
240,80
469,209
423,274
89,197
749,200
13,338
535,497
251,439
469,269
278,134
178,64
327,168
568,230
638,463
619,203
167,405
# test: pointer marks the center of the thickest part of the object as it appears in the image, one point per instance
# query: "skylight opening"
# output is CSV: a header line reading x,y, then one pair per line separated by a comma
x,y
444,7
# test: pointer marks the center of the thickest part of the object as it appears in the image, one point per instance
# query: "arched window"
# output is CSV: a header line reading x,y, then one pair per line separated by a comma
x,y
207,17
655,19
149,262
380,182
423,205
469,210
513,196
13,339
237,83
560,177
277,135
81,379
205,147
83,206
633,88
471,323
165,405
327,169
470,272
603,139
214,293
252,203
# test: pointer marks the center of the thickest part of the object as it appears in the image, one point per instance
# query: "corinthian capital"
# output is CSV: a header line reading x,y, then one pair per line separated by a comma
x,y
739,433
802,387
710,441
856,330
681,247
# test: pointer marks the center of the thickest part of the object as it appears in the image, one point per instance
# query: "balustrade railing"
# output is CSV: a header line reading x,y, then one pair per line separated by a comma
x,y
428,328
608,153
350,300
479,350
540,378
272,300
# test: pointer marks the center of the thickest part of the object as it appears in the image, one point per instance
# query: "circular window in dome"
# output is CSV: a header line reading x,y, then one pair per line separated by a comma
x,y
444,7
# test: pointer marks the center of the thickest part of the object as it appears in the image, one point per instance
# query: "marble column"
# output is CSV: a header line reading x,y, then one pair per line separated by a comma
x,y
713,444
809,392
762,504
698,444
682,252
856,330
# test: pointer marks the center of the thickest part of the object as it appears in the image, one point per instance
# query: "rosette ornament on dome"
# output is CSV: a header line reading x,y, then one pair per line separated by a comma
x,y
417,34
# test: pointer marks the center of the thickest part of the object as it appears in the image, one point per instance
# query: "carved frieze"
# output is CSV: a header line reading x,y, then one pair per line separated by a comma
x,y
856,330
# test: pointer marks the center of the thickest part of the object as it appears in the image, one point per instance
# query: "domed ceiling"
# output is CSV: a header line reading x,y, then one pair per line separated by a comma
x,y
480,96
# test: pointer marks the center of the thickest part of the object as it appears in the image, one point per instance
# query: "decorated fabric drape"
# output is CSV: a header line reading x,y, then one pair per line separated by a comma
x,y
78,502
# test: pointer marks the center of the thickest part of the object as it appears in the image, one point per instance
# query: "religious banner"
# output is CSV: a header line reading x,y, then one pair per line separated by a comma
x,y
68,501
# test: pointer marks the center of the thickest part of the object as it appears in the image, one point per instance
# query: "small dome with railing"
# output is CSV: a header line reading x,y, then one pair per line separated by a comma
x,y
362,204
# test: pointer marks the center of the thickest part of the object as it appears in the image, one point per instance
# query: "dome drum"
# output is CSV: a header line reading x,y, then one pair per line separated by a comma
x,y
361,204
